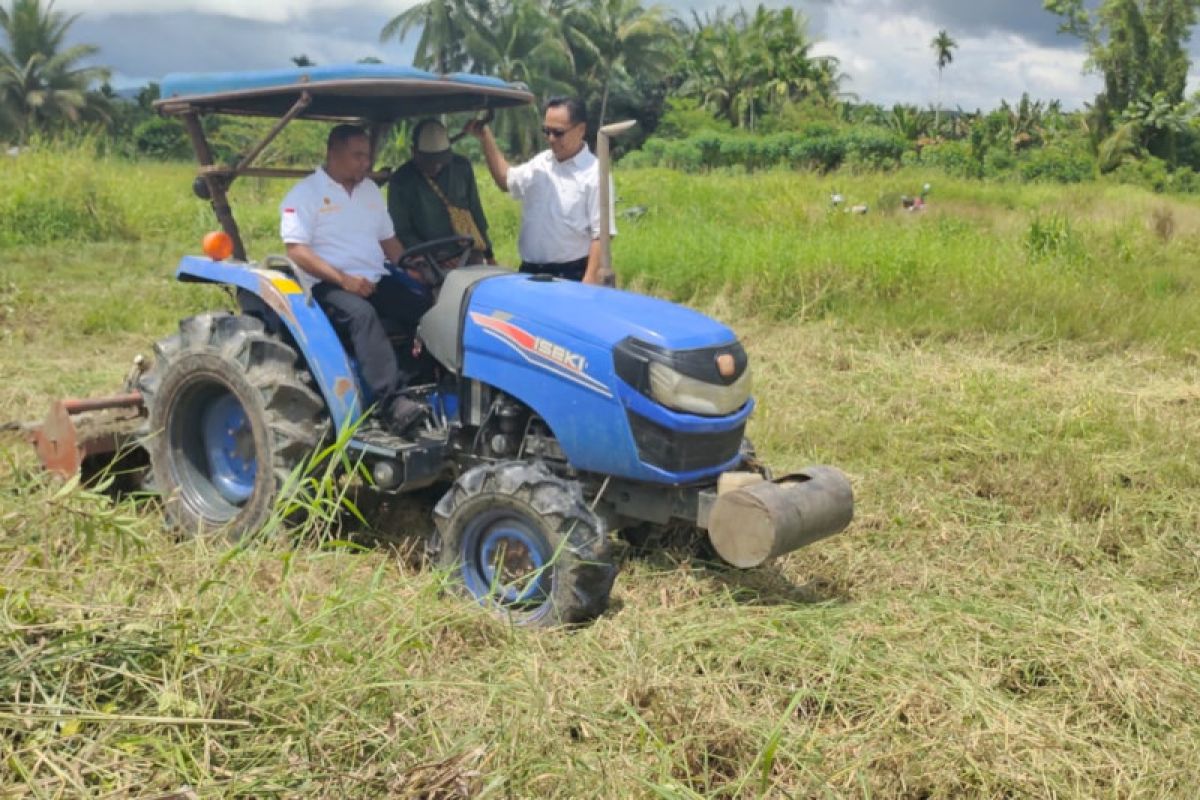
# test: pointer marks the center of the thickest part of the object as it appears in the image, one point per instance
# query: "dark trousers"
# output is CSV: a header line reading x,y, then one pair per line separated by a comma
x,y
366,322
570,270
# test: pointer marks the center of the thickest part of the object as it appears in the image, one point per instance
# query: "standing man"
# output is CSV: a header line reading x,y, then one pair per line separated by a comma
x,y
559,190
434,195
337,230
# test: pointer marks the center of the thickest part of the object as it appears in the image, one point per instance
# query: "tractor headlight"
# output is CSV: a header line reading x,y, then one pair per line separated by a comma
x,y
678,391
707,381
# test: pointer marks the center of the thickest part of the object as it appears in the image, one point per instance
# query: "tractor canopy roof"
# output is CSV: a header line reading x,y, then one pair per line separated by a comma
x,y
375,93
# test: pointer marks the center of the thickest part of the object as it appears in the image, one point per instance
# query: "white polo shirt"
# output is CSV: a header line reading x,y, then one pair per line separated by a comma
x,y
560,206
344,228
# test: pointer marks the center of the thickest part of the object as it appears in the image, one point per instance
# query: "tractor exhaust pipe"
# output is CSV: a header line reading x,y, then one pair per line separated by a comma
x,y
605,135
749,525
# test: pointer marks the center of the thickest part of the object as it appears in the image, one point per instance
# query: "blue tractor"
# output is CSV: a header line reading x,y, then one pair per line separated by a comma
x,y
559,413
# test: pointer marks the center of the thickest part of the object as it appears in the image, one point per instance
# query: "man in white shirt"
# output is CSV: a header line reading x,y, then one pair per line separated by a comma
x,y
559,190
337,229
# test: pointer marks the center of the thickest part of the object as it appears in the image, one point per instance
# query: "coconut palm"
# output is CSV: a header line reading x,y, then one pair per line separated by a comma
x,y
42,84
723,72
746,64
618,39
443,27
943,47
517,41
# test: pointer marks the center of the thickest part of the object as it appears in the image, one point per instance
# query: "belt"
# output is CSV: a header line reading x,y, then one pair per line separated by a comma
x,y
566,269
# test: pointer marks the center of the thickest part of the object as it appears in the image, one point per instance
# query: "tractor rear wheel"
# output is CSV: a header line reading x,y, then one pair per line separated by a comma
x,y
522,541
230,418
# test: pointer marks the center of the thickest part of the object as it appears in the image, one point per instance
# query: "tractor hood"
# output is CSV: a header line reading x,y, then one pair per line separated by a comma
x,y
597,315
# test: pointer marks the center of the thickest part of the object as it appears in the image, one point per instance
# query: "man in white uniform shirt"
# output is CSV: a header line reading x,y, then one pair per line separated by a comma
x,y
336,227
559,190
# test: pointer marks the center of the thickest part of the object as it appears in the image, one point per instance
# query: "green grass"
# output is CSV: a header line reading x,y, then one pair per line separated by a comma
x,y
1010,379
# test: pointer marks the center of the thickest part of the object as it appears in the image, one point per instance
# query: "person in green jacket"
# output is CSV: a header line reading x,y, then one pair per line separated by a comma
x,y
434,195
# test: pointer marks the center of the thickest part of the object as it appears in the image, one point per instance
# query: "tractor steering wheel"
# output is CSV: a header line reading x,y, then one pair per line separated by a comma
x,y
428,259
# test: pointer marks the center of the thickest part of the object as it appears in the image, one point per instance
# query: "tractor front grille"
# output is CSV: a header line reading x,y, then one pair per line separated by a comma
x,y
675,451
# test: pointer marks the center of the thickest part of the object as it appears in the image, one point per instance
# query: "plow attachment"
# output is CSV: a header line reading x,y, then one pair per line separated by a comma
x,y
93,436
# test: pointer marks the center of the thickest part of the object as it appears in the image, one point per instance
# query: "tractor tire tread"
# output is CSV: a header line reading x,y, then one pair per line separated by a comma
x,y
584,575
292,413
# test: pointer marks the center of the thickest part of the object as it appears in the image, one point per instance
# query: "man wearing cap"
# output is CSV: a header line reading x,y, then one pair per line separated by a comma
x,y
434,194
559,190
337,230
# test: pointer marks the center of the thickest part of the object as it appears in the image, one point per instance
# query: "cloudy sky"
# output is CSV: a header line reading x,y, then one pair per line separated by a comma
x,y
1006,47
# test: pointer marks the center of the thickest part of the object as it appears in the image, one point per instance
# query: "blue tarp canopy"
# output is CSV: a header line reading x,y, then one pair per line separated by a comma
x,y
348,92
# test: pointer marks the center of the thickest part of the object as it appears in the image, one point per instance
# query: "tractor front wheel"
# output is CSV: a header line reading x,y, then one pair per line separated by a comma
x,y
230,417
522,541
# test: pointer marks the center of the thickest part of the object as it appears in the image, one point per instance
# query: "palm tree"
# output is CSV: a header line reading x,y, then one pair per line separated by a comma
x,y
43,85
515,40
943,47
745,64
724,68
618,39
442,27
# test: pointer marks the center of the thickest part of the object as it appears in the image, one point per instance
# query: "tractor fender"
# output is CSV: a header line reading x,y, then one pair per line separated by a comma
x,y
310,329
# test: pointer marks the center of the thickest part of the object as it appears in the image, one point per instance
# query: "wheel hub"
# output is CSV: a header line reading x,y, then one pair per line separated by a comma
x,y
229,446
505,560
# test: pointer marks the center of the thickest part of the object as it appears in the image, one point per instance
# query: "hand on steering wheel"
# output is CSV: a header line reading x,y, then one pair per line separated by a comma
x,y
427,259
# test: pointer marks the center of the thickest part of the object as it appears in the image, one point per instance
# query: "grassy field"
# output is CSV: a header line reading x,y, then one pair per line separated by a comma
x,y
1011,379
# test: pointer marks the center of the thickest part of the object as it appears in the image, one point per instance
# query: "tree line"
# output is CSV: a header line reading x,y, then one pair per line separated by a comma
x,y
737,72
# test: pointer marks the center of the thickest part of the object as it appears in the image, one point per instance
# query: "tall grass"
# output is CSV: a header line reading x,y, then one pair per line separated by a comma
x,y
1038,260
977,261
1008,378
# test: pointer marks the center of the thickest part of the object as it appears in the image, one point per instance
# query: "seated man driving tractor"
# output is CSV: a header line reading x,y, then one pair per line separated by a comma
x,y
336,227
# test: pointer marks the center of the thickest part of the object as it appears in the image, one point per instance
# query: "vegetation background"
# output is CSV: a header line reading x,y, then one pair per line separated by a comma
x,y
1009,376
729,89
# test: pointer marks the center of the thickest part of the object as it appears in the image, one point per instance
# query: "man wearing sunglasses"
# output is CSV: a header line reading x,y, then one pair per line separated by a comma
x,y
559,191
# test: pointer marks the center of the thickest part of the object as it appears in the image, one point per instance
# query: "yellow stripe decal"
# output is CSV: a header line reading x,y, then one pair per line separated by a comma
x,y
286,285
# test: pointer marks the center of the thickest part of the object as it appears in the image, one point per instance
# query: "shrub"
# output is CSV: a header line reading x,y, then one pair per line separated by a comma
x,y
998,162
685,117
161,138
1151,173
874,148
818,146
824,152
953,158
685,154
1058,164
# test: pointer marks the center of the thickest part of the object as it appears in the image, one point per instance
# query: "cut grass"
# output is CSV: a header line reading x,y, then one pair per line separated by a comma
x,y
1012,613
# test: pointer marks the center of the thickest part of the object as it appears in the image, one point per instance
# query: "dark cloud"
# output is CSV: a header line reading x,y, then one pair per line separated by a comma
x,y
149,45
1024,18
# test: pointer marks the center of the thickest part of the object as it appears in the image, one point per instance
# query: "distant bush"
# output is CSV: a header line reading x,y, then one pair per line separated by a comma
x,y
1154,174
874,148
999,163
823,152
163,139
1060,164
819,146
953,158
684,117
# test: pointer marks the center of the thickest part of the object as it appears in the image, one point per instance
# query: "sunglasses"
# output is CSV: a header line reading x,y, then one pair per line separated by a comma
x,y
555,133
